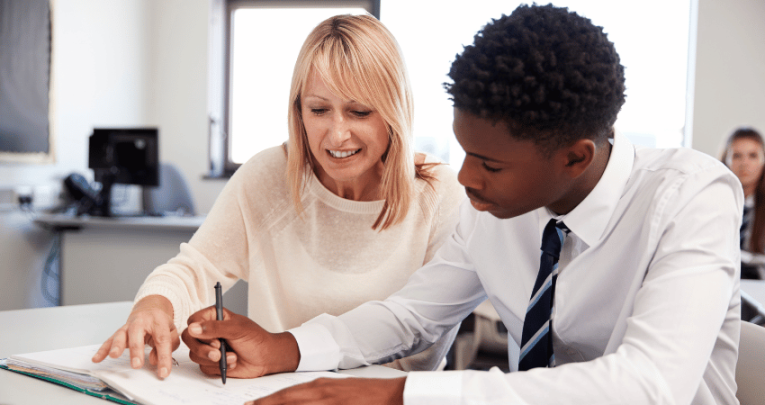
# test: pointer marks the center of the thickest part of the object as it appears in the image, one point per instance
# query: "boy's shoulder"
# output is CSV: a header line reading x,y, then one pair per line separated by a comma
x,y
677,161
677,176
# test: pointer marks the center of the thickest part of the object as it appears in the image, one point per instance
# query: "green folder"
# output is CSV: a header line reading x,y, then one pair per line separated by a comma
x,y
104,394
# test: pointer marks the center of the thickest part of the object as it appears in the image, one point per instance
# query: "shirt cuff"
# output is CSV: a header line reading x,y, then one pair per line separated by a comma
x,y
318,350
433,387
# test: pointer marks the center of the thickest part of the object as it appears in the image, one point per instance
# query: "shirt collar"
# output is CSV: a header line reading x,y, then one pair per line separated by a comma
x,y
589,219
749,201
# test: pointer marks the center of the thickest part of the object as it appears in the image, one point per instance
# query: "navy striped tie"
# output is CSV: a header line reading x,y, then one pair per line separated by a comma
x,y
536,342
744,224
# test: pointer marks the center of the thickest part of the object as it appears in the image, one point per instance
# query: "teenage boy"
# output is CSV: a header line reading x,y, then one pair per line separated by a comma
x,y
635,295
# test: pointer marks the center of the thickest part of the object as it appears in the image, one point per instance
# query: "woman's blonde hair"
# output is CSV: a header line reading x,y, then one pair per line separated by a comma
x,y
358,59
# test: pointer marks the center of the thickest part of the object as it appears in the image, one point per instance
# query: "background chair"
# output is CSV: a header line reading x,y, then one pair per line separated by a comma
x,y
750,370
752,265
481,344
172,197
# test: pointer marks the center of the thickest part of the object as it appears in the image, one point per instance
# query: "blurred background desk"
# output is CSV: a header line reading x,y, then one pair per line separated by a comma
x,y
753,301
755,289
34,330
107,259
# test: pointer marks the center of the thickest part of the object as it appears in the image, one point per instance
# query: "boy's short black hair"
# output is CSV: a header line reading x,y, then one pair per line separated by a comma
x,y
551,75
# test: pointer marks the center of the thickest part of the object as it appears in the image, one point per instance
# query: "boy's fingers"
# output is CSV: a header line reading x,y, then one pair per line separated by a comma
x,y
206,314
202,359
213,330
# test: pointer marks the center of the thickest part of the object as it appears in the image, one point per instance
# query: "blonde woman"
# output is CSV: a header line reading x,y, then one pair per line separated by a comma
x,y
340,215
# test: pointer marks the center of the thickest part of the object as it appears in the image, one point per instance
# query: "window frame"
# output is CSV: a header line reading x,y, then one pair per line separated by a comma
x,y
226,166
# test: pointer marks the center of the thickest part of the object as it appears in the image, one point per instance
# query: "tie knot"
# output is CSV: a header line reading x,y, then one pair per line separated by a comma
x,y
552,237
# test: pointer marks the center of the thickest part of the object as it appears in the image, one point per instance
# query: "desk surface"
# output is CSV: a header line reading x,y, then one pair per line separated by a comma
x,y
140,222
755,289
32,330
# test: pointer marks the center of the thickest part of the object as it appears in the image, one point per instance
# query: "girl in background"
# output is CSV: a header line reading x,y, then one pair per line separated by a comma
x,y
744,154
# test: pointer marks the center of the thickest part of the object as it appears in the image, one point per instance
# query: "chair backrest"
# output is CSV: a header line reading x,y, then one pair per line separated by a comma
x,y
750,369
172,197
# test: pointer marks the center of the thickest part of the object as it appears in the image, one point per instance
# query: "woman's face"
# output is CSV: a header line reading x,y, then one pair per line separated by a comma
x,y
746,159
347,140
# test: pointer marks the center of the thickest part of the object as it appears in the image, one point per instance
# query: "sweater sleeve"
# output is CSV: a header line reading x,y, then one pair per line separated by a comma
x,y
447,194
218,251
449,197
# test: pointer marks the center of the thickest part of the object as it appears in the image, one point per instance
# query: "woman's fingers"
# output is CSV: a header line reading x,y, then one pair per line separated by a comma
x,y
103,351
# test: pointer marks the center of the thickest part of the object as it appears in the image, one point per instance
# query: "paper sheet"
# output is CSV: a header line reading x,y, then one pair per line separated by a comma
x,y
186,384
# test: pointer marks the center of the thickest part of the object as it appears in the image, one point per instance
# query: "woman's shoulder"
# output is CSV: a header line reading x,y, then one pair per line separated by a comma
x,y
437,168
442,179
266,170
273,158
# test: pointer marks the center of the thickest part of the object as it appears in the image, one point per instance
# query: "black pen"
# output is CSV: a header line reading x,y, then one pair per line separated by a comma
x,y
219,310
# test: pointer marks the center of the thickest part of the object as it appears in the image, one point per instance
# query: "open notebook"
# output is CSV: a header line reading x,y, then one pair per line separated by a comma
x,y
115,380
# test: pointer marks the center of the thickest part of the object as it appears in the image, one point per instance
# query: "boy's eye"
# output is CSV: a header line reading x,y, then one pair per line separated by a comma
x,y
491,169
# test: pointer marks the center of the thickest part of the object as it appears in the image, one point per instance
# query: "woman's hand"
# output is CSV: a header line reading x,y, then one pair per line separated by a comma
x,y
150,322
251,350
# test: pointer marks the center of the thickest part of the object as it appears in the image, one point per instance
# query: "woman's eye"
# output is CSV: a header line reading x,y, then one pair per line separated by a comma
x,y
318,111
491,169
361,113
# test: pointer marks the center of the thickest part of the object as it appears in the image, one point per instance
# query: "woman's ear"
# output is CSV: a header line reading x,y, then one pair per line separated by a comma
x,y
579,156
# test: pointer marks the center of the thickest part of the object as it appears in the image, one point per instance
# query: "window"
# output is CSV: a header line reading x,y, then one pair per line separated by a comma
x,y
653,48
655,60
25,46
264,38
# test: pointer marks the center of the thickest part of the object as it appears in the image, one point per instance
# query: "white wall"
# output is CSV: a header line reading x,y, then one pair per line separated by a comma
x,y
101,65
179,100
730,70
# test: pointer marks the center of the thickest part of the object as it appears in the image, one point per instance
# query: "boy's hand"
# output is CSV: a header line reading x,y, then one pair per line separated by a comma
x,y
326,391
252,351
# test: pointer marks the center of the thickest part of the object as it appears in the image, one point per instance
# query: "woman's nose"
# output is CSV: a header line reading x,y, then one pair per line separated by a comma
x,y
339,130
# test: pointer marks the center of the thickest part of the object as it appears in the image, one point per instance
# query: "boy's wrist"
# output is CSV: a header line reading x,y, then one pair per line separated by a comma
x,y
286,353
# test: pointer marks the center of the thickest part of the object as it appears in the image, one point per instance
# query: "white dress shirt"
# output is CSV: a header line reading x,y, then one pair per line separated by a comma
x,y
646,307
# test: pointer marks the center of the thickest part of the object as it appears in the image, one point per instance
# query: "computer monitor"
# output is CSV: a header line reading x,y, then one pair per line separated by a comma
x,y
122,156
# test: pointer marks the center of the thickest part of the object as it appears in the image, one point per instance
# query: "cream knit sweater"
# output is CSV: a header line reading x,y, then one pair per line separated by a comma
x,y
329,260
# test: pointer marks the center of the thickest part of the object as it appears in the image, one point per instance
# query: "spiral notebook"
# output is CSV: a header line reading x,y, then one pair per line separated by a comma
x,y
115,380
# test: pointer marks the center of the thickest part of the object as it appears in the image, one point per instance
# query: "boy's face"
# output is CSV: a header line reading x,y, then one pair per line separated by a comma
x,y
505,176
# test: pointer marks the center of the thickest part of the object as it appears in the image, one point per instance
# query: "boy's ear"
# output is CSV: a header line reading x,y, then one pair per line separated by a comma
x,y
578,157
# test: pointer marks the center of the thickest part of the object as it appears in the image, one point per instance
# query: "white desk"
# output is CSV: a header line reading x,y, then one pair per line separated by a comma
x,y
107,259
755,289
32,330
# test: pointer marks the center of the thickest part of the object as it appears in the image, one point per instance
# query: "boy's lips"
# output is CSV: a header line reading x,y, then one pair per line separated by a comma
x,y
479,203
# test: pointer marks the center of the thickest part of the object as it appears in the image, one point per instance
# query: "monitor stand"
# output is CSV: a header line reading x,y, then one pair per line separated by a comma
x,y
103,205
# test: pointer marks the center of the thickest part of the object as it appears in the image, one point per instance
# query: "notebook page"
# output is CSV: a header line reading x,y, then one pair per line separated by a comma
x,y
186,384
189,386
